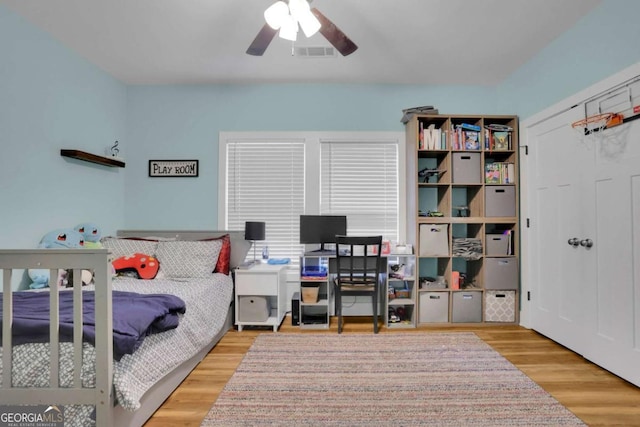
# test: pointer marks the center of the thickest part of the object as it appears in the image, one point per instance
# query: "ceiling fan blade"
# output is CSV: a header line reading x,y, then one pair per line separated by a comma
x,y
262,40
334,35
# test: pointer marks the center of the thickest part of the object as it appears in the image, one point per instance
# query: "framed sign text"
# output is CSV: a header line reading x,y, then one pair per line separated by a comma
x,y
173,168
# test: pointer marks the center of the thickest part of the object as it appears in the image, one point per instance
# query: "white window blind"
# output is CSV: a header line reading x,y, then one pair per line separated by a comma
x,y
360,180
265,182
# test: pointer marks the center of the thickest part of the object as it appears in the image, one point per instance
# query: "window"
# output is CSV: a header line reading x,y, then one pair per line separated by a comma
x,y
360,180
276,177
266,183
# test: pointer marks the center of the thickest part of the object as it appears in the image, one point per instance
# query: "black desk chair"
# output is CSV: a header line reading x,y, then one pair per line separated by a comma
x,y
358,272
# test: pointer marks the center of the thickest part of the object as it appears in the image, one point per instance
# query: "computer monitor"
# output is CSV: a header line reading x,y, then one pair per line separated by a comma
x,y
321,229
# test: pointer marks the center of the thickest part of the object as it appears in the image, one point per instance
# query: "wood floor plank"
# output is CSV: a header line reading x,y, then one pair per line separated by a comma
x,y
598,397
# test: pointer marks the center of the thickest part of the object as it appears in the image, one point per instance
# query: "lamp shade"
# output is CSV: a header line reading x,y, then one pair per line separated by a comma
x,y
254,230
289,29
276,14
301,12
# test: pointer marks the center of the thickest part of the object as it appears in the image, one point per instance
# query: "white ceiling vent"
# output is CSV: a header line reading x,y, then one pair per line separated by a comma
x,y
315,52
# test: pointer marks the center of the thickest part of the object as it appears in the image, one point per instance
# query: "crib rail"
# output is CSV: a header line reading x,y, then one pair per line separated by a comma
x,y
95,260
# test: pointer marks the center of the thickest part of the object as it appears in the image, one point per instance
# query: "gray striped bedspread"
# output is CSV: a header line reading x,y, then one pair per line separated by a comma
x,y
207,301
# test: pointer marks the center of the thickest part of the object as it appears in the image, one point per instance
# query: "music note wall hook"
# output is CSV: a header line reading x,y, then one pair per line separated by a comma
x,y
115,150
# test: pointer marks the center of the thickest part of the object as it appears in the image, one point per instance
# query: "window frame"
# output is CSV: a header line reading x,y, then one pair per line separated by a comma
x,y
312,141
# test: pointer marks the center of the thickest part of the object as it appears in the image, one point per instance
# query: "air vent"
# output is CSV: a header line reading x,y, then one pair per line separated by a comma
x,y
315,52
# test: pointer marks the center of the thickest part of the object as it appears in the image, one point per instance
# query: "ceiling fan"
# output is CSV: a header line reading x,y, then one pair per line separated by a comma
x,y
286,17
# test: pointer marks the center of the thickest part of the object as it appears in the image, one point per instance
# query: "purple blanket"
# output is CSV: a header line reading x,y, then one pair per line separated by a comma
x,y
134,317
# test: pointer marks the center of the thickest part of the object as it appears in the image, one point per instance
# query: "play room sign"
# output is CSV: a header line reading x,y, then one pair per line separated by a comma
x,y
173,168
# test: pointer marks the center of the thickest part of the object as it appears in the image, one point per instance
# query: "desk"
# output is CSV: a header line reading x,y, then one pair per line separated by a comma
x,y
319,269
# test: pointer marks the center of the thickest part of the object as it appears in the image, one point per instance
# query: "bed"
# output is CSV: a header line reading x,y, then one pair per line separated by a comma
x,y
87,379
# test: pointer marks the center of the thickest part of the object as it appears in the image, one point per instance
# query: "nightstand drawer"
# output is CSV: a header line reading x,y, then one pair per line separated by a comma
x,y
257,284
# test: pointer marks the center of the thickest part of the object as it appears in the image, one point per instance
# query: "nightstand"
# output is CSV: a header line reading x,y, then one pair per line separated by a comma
x,y
261,297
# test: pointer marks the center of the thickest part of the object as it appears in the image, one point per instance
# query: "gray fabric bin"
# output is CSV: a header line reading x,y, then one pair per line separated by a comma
x,y
501,273
497,244
466,168
500,200
434,307
467,307
253,308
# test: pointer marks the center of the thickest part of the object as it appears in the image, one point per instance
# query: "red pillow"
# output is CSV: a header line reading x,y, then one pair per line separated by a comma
x,y
145,266
224,259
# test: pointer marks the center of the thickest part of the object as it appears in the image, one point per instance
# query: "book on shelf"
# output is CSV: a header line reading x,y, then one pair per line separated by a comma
x,y
497,137
466,136
499,173
491,174
501,141
431,138
471,140
511,173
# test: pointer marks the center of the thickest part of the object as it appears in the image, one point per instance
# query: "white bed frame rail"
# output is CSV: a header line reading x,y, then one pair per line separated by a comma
x,y
95,260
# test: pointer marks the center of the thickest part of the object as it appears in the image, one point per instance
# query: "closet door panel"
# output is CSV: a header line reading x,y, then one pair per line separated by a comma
x,y
557,272
614,257
591,192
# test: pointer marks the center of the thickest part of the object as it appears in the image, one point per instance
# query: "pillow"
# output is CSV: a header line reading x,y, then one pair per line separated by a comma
x,y
188,259
120,247
224,259
145,266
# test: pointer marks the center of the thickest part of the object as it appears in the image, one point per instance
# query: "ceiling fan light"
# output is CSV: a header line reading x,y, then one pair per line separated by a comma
x,y
309,23
289,29
276,14
298,8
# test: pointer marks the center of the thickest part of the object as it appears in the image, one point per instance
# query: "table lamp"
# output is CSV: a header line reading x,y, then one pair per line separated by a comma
x,y
254,231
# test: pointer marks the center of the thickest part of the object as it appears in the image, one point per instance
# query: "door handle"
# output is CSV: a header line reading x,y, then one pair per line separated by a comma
x,y
574,241
587,243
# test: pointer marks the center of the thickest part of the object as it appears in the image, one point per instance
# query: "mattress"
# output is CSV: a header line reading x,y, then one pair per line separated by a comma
x,y
207,301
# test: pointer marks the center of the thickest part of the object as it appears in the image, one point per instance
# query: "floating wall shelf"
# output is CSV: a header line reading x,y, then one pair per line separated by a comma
x,y
92,158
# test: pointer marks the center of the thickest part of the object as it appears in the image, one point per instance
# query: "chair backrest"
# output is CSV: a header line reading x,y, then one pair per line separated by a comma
x,y
358,258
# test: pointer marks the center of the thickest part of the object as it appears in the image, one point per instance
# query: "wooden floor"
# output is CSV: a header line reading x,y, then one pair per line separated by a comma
x,y
593,394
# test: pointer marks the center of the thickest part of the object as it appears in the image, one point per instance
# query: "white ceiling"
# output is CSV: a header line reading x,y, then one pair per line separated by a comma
x,y
474,42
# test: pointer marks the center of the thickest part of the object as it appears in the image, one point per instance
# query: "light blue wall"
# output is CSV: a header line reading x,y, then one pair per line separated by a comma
x,y
601,44
51,99
184,122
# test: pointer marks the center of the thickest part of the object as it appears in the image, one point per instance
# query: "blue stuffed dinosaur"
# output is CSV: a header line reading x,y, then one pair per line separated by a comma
x,y
64,238
91,234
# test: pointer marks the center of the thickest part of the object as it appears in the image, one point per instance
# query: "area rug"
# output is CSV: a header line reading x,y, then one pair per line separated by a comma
x,y
400,379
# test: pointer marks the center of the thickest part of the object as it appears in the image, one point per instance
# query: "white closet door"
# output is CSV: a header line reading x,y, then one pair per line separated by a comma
x,y
558,163
587,298
613,262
